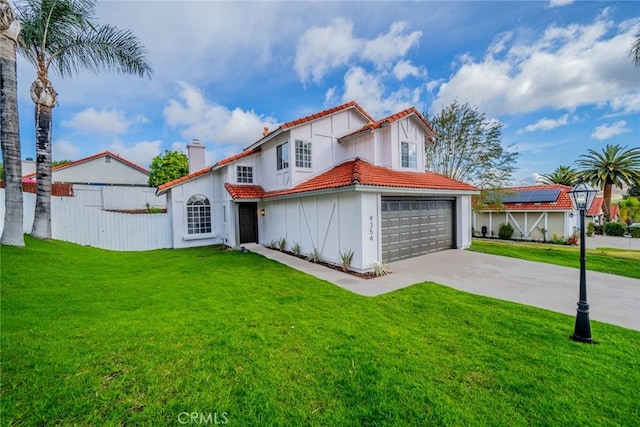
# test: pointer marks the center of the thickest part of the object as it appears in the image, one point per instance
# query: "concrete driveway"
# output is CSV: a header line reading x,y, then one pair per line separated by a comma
x,y
612,299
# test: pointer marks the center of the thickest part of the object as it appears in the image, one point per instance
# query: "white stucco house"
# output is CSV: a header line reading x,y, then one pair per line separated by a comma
x,y
333,181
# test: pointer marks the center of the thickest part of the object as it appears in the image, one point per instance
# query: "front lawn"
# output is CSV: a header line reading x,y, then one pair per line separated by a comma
x,y
622,262
92,337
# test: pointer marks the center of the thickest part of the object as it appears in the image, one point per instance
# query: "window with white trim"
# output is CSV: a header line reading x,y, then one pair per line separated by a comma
x,y
408,155
282,156
244,174
303,154
198,215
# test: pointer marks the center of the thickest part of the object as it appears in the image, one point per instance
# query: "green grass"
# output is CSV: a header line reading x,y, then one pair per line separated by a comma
x,y
91,337
622,262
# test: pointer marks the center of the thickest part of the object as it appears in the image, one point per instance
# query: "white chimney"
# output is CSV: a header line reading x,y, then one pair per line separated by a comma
x,y
195,152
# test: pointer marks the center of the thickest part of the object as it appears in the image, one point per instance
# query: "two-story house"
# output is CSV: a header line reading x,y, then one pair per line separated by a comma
x,y
333,181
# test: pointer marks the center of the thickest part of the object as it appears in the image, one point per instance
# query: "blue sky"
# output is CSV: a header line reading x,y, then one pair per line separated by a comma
x,y
556,74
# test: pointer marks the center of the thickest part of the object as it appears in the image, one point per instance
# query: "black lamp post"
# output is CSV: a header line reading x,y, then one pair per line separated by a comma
x,y
582,196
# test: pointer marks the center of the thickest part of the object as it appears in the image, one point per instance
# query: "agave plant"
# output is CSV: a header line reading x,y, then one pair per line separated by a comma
x,y
345,259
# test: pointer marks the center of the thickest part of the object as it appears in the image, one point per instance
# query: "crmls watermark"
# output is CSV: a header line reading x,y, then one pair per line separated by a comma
x,y
209,418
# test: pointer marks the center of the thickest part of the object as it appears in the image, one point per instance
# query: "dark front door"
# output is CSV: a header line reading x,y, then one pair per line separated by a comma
x,y
248,222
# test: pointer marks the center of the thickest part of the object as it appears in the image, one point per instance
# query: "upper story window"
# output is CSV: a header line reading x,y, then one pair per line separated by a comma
x,y
244,174
408,155
282,156
303,154
198,215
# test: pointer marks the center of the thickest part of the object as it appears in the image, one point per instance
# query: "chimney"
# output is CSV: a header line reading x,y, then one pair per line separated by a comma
x,y
195,152
265,131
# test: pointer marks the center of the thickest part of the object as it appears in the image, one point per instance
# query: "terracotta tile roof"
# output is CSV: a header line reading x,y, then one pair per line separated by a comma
x,y
196,174
182,179
562,203
596,207
360,172
390,119
615,211
93,157
326,113
244,191
230,159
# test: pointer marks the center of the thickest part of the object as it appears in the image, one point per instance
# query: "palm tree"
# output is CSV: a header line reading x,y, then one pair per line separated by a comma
x,y
634,52
63,35
615,165
12,234
564,175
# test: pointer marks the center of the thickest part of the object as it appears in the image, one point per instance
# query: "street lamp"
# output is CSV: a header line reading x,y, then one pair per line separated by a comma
x,y
582,196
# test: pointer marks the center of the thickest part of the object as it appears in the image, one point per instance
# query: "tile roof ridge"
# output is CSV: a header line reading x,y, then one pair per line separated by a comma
x,y
355,171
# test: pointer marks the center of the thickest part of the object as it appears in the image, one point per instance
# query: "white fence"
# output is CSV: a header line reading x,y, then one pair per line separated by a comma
x,y
92,226
118,197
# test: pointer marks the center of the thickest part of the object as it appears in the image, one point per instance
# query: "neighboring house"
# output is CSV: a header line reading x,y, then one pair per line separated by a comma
x,y
530,210
596,215
332,182
100,169
107,181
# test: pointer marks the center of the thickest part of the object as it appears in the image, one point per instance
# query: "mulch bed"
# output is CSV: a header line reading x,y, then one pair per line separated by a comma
x,y
368,275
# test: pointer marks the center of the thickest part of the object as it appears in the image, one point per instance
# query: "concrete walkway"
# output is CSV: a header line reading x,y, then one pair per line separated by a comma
x,y
597,241
613,299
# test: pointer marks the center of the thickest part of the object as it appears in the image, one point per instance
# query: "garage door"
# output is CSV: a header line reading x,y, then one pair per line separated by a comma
x,y
413,227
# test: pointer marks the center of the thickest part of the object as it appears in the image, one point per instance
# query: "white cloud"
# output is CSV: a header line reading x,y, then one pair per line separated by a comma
x,y
94,121
546,124
558,70
559,3
626,104
141,153
610,130
65,150
404,69
322,49
214,123
369,91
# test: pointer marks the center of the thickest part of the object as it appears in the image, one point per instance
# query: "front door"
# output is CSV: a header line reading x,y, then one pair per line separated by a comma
x,y
248,222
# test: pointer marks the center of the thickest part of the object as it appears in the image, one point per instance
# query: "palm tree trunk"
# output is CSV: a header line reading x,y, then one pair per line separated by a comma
x,y
42,220
606,203
12,233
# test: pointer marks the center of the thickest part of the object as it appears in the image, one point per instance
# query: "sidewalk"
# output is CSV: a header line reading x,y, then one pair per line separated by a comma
x,y
613,299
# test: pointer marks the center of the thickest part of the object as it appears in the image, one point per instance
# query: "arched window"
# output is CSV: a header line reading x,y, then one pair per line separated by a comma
x,y
198,215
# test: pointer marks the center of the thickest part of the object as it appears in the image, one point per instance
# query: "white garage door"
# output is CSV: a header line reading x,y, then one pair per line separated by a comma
x,y
412,227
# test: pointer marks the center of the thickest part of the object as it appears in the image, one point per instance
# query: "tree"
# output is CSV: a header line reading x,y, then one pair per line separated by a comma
x,y
12,233
634,51
167,167
634,190
63,35
468,148
615,165
564,175
629,210
55,163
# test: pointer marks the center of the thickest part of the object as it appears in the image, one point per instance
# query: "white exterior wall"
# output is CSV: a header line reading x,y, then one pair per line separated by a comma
x,y
177,208
331,223
406,130
118,197
463,222
98,171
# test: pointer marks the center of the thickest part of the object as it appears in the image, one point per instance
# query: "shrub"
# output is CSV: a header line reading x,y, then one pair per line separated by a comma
x,y
635,232
345,259
599,230
314,256
380,269
558,240
282,244
591,228
296,249
505,231
614,229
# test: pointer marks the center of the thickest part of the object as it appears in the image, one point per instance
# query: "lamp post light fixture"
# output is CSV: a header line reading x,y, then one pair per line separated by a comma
x,y
582,196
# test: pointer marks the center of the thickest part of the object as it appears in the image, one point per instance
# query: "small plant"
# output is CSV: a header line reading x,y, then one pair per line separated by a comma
x,y
282,244
296,249
273,244
345,259
506,231
574,239
544,232
380,269
558,240
591,228
314,256
635,232
614,229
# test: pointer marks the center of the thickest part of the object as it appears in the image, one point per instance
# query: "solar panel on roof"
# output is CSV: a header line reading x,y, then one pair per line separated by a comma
x,y
533,196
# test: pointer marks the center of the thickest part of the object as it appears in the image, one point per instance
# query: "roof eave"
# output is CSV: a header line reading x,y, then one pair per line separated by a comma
x,y
414,190
266,138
